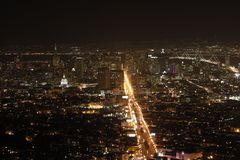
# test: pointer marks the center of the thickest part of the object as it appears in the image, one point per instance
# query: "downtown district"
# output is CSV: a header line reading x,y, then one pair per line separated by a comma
x,y
167,102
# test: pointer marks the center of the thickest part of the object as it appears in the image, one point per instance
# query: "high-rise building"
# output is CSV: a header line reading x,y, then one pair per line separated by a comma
x,y
56,61
116,78
153,64
173,69
56,58
104,78
79,67
227,59
17,62
113,62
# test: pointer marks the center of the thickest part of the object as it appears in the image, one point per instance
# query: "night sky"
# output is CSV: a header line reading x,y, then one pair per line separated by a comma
x,y
97,21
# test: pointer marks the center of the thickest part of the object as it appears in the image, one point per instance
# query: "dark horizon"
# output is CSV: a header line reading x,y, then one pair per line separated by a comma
x,y
94,22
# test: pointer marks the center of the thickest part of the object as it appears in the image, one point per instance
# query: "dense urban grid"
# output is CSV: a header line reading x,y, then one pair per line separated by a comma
x,y
173,102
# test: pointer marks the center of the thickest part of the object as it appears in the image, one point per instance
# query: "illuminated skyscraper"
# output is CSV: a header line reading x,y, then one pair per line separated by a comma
x,y
79,67
104,78
55,58
116,78
227,59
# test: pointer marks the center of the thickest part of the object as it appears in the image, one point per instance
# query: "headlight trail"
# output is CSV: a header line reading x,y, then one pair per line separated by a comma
x,y
148,147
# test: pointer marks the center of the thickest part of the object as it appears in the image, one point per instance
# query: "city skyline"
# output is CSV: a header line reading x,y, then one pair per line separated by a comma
x,y
176,102
118,80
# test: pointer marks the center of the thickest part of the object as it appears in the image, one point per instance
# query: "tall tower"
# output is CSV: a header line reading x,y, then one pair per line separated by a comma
x,y
79,66
17,62
227,59
104,78
55,58
116,78
55,47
